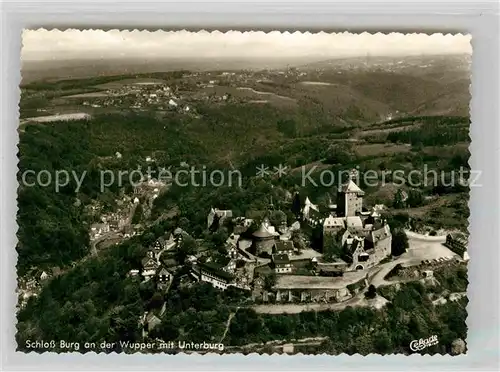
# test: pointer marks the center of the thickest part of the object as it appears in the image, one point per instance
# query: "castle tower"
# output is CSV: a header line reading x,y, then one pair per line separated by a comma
x,y
350,199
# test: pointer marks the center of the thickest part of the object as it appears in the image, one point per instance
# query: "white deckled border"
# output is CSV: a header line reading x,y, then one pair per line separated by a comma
x,y
484,204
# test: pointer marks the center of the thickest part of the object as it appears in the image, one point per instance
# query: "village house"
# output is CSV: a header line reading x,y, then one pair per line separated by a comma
x,y
180,234
159,244
364,251
98,229
295,226
232,241
282,264
232,251
284,247
149,267
214,275
164,244
311,213
457,242
133,273
116,223
44,276
332,225
231,266
164,278
150,321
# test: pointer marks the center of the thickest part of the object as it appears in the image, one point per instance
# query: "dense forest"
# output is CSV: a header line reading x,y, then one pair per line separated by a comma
x,y
92,302
52,229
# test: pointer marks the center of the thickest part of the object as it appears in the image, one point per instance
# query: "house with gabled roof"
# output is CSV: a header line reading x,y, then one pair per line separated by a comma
x,y
311,213
164,275
159,244
214,274
366,249
164,278
284,247
149,267
152,321
332,225
282,264
457,242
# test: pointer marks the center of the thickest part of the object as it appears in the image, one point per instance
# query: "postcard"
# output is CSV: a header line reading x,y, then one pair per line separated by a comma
x,y
243,192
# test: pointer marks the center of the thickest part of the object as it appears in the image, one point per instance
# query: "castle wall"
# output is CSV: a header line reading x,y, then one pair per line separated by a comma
x,y
313,295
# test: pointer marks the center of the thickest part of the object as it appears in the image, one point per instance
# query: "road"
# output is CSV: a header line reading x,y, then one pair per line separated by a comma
x,y
112,234
421,247
106,236
228,323
274,343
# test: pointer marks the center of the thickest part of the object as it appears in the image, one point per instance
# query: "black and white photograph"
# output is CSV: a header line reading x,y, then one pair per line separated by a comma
x,y
243,192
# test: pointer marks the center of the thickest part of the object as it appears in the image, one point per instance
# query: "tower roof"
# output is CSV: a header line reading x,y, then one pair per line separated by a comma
x,y
263,232
351,187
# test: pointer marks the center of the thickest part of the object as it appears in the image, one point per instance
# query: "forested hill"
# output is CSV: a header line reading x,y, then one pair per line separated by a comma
x,y
53,228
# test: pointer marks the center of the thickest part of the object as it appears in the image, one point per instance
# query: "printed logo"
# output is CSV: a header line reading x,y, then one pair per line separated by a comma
x,y
423,343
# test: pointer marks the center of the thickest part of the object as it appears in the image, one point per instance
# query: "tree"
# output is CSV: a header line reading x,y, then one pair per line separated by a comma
x,y
383,343
415,198
342,153
277,218
399,242
298,240
270,281
137,215
156,301
372,292
332,247
296,204
186,248
288,127
398,202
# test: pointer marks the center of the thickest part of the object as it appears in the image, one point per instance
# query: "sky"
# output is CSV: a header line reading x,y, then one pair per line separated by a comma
x,y
91,44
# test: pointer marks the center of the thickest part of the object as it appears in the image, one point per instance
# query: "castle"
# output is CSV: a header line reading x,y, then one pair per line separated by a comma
x,y
364,236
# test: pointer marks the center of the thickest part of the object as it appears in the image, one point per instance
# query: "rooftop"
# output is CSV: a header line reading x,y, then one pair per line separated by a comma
x,y
216,270
263,232
354,222
146,260
351,187
163,271
331,221
281,259
380,234
460,237
284,245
